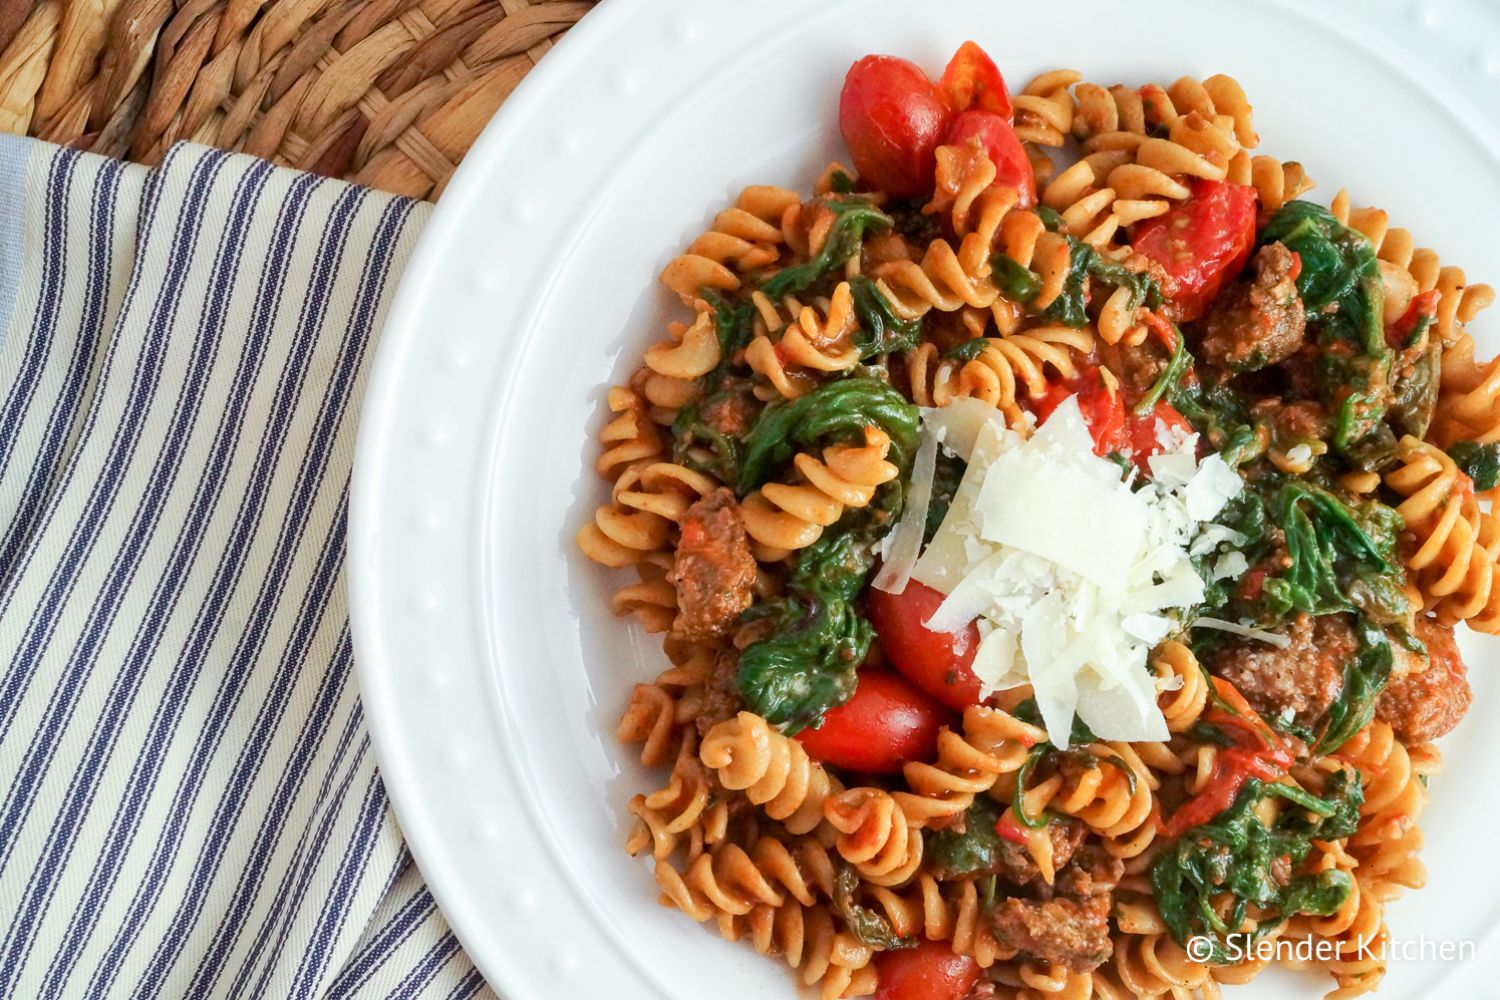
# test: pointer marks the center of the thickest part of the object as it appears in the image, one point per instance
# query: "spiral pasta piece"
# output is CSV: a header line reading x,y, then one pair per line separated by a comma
x,y
874,835
1388,839
1121,117
1113,796
788,349
647,501
1468,406
993,744
1033,980
790,516
743,238
809,940
1044,109
1457,543
1181,684
650,720
772,770
1408,270
677,811
1277,183
1010,365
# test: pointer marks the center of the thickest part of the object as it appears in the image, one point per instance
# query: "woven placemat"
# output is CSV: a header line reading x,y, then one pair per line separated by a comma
x,y
389,93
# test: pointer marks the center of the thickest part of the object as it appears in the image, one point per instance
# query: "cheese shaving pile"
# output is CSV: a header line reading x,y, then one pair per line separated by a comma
x,y
1072,572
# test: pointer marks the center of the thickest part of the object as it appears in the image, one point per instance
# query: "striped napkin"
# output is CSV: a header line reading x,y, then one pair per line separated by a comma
x,y
191,805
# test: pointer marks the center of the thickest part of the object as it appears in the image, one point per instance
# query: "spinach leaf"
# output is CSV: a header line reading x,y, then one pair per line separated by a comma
x,y
1170,377
841,183
806,664
1017,283
1342,293
836,410
1330,545
869,926
1144,289
1051,217
970,847
734,326
1480,462
1365,676
853,216
1234,853
881,331
1415,397
702,446
1222,415
968,350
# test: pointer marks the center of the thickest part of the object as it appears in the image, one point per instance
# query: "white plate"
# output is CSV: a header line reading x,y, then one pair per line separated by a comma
x,y
491,669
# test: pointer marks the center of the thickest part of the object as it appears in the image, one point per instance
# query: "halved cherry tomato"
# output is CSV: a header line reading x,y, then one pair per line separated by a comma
x,y
995,134
1202,242
930,971
887,723
892,118
939,663
972,80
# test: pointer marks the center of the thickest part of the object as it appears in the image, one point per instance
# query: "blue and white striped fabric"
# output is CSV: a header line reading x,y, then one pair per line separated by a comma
x,y
191,805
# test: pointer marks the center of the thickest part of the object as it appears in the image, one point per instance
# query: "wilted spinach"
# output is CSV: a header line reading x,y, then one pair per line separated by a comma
x,y
815,640
853,217
1342,558
1234,854
806,664
968,848
1342,293
836,410
869,926
1480,462
881,331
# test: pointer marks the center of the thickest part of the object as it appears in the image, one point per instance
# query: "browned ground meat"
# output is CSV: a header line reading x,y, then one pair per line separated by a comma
x,y
731,413
714,570
1302,679
1093,872
1259,322
1138,367
1066,932
1426,705
721,697
1016,865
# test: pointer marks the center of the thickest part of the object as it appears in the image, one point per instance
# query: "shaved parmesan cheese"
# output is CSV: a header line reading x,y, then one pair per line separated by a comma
x,y
1214,485
1072,573
902,546
948,554
1220,625
958,424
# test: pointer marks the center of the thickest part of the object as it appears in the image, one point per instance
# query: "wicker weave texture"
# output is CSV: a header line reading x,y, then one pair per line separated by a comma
x,y
389,93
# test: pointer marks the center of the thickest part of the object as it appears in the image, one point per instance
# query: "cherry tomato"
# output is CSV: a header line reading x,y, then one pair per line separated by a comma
x,y
887,723
972,80
930,971
995,134
892,118
1142,431
1202,242
939,663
